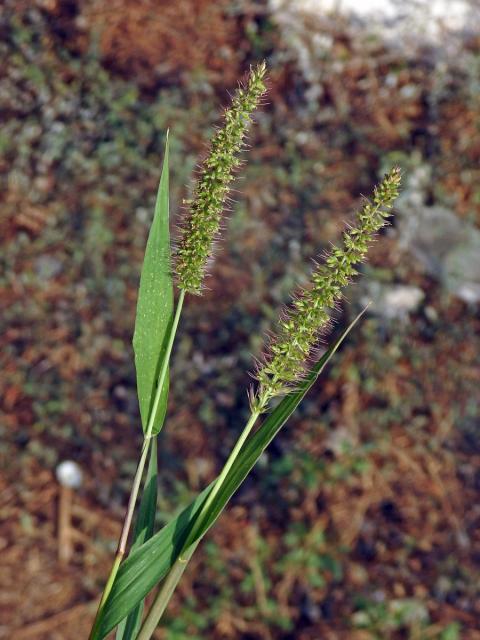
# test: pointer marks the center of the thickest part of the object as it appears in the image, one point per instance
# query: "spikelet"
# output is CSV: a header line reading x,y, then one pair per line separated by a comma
x,y
287,359
202,222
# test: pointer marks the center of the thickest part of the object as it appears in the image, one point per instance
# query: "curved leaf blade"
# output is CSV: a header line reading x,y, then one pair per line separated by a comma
x,y
147,565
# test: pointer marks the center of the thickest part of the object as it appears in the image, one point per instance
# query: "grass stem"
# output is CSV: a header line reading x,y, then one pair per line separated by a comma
x,y
127,523
165,363
163,596
220,480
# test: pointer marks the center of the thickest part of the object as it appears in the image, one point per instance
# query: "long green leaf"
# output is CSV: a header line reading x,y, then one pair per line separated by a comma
x,y
144,527
154,307
146,566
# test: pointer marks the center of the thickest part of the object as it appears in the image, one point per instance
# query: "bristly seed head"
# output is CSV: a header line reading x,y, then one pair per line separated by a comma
x,y
202,222
289,352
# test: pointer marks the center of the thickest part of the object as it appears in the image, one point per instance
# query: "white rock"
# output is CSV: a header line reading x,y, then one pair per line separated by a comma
x,y
423,21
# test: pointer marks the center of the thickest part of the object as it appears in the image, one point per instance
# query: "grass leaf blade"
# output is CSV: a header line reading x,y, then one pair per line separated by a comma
x,y
154,307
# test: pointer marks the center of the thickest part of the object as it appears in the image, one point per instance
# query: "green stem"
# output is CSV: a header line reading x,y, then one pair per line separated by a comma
x,y
220,480
165,363
122,545
163,597
111,578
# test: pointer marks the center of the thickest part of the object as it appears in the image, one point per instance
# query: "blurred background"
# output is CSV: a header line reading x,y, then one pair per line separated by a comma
x,y
362,519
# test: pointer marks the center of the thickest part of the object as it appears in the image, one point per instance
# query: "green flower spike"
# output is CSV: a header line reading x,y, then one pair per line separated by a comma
x,y
202,222
286,361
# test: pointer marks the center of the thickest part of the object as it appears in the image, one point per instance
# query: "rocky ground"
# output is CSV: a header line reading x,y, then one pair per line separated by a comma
x,y
362,519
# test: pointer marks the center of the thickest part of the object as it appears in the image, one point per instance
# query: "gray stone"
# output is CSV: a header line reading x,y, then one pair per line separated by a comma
x,y
462,269
446,246
393,301
48,267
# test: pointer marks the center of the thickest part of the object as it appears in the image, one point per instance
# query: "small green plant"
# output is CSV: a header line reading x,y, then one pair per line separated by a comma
x,y
287,370
381,619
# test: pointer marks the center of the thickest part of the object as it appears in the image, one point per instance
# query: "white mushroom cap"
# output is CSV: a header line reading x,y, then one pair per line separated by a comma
x,y
69,474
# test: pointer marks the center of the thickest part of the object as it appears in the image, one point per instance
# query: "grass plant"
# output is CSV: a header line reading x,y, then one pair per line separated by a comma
x,y
287,371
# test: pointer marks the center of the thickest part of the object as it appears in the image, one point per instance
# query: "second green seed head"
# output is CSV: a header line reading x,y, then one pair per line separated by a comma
x,y
289,352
